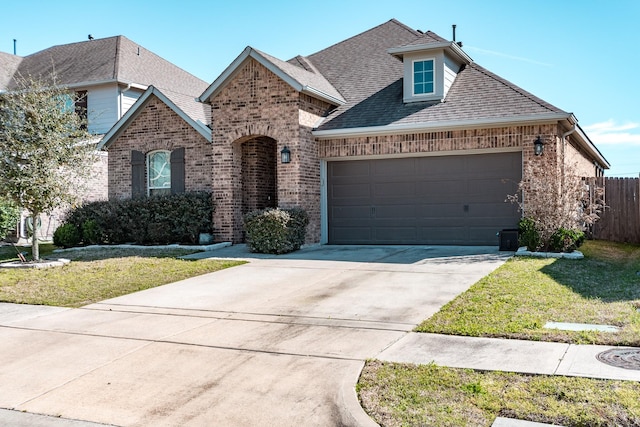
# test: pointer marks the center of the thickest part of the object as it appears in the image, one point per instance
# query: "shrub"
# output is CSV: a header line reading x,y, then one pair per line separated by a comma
x,y
91,233
178,218
66,236
566,240
529,235
9,215
275,231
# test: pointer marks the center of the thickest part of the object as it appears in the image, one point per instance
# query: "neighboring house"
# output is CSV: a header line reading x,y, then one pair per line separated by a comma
x,y
109,74
395,136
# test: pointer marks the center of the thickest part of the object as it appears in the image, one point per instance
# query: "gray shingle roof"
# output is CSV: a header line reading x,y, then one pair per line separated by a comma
x,y
360,66
113,59
305,73
370,79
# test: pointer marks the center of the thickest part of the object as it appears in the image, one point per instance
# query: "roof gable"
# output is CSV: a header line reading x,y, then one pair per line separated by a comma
x,y
139,106
306,80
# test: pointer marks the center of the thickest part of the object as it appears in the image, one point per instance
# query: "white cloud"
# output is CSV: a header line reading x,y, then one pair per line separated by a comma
x,y
610,132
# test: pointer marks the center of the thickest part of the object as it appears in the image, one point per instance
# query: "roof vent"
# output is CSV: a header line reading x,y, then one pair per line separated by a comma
x,y
454,35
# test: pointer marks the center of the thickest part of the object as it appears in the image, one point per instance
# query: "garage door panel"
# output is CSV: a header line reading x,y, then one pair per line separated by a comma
x,y
452,189
423,200
443,235
437,166
349,170
350,191
350,212
395,212
390,168
394,190
351,235
440,210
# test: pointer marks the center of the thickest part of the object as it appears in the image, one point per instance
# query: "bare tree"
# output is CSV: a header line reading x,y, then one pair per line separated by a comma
x,y
556,198
45,149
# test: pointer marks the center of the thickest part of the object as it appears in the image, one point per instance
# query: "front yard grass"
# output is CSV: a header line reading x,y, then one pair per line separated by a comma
x,y
98,274
517,299
430,395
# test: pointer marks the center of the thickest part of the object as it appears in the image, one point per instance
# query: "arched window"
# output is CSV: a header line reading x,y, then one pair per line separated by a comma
x,y
159,173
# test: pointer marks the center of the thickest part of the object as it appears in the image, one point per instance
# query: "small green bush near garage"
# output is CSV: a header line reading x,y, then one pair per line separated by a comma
x,y
275,230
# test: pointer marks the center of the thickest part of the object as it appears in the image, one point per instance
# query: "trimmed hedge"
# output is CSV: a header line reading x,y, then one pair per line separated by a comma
x,y
275,231
158,220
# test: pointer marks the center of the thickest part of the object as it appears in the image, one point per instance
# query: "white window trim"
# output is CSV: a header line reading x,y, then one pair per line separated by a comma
x,y
413,76
149,154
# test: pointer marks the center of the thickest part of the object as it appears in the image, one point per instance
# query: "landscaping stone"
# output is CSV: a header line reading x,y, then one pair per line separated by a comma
x,y
41,264
568,255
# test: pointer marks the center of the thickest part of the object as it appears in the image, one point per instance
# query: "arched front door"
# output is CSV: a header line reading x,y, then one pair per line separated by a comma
x,y
259,174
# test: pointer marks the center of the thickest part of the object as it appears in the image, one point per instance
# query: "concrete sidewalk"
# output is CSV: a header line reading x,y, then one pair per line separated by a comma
x,y
494,354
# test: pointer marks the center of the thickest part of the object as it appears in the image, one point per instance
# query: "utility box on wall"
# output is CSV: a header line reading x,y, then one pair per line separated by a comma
x,y
509,240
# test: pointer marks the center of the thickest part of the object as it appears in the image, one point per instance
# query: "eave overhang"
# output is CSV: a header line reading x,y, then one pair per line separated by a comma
x,y
547,118
451,47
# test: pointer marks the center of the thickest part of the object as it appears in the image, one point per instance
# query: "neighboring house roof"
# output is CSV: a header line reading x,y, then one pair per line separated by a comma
x,y
8,66
303,79
109,60
139,106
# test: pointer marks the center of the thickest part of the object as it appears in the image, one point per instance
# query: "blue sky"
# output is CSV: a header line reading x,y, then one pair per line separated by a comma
x,y
580,55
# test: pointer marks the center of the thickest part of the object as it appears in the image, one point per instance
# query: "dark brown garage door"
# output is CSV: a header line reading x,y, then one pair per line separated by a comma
x,y
452,200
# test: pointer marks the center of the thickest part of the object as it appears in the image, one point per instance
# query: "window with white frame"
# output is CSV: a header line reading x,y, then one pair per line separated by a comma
x,y
423,77
159,173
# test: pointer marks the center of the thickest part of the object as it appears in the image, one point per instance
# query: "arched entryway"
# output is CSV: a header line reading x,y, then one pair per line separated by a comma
x,y
259,174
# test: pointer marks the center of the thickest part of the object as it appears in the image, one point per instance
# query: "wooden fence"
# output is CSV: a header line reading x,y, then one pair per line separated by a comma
x,y
620,221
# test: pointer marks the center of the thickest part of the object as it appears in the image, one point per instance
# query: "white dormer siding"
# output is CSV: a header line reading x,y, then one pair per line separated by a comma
x,y
451,69
446,57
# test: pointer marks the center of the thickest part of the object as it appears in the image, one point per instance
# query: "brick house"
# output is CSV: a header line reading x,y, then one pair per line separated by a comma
x,y
395,136
109,75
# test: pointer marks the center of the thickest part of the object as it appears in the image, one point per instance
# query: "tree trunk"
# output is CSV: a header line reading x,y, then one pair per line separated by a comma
x,y
35,248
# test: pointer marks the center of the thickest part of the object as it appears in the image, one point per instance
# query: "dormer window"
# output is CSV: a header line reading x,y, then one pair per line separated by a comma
x,y
423,77
431,65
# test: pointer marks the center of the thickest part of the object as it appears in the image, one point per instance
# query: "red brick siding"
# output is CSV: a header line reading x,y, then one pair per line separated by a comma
x,y
157,127
254,104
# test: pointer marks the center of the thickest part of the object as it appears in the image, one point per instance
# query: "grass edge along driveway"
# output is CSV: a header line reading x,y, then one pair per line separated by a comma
x,y
515,301
98,274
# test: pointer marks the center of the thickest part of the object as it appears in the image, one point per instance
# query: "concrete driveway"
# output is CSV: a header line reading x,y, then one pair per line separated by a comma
x,y
279,341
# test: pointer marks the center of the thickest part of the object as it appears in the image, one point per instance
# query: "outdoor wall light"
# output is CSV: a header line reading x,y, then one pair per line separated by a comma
x,y
538,147
285,155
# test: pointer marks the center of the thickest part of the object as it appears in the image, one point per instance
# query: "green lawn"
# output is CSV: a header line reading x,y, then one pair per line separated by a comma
x,y
98,274
517,299
430,395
